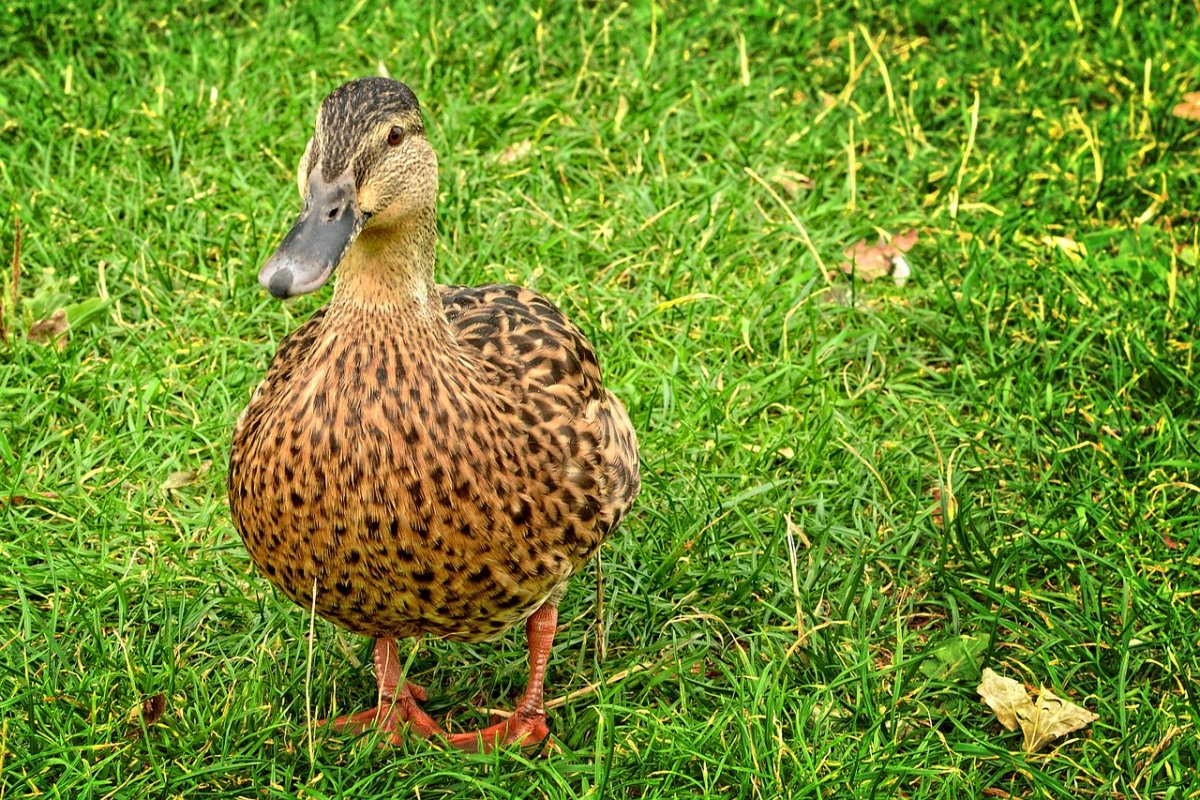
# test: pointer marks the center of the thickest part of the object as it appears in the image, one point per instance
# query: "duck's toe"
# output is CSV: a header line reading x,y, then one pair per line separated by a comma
x,y
525,728
392,716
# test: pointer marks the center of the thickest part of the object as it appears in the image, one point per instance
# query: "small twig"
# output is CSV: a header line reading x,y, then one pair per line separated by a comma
x,y
592,688
791,215
584,691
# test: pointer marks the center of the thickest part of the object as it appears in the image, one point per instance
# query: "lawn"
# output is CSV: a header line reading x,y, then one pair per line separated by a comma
x,y
857,495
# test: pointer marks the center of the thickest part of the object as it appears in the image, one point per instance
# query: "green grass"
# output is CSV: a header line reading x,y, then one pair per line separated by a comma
x,y
1050,399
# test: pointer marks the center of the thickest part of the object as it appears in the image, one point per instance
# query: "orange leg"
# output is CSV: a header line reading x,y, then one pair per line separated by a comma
x,y
527,725
398,703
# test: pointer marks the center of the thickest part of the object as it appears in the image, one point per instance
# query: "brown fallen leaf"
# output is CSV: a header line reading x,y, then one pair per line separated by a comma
x,y
905,241
868,262
945,505
1041,723
152,711
1189,108
52,330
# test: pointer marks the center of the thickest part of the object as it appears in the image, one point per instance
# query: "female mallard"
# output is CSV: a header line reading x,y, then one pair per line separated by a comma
x,y
420,459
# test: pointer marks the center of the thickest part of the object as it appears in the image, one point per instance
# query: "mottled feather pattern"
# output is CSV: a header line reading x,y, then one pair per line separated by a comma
x,y
411,479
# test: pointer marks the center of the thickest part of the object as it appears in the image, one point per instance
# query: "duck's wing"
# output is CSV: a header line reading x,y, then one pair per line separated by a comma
x,y
559,389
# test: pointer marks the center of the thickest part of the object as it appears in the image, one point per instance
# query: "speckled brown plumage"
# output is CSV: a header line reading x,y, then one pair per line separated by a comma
x,y
422,459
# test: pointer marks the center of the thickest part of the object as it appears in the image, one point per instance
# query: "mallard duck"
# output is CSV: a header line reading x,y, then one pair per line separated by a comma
x,y
420,459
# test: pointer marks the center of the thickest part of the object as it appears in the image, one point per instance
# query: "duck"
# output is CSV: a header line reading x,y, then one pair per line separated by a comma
x,y
420,459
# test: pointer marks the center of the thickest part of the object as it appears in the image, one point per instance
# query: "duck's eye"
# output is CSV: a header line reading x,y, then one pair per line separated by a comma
x,y
395,136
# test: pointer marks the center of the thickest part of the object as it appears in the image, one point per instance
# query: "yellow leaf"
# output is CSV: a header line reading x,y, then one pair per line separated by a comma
x,y
1042,722
1006,697
1054,719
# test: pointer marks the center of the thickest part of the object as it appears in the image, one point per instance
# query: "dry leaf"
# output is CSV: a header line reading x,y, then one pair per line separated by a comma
x,y
936,515
52,329
515,152
1051,718
1006,697
905,241
870,261
1189,108
152,711
177,480
1055,718
945,505
867,261
185,477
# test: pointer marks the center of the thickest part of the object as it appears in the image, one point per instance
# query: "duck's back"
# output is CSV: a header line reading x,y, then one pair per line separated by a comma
x,y
401,490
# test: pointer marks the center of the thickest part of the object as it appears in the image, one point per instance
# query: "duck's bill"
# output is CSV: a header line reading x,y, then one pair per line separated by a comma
x,y
315,245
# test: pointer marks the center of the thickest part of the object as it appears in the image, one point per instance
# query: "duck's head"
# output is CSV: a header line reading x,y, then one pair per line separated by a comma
x,y
368,167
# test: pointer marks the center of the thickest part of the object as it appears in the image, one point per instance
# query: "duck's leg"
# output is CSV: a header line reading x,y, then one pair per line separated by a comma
x,y
527,725
398,702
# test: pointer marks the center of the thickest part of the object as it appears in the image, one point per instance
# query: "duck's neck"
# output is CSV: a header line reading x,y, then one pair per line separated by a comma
x,y
389,270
